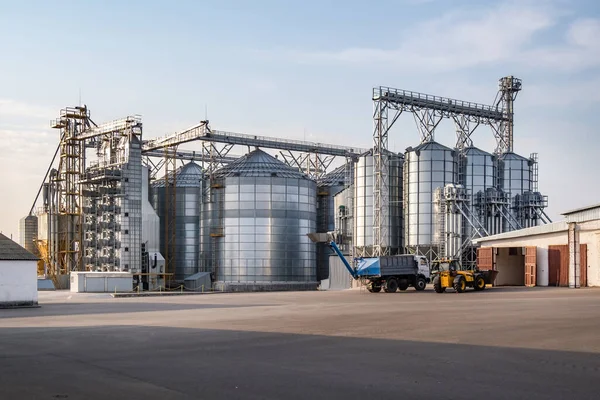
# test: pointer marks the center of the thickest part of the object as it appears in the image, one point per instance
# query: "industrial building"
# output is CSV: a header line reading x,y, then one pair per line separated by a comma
x,y
18,277
112,201
564,253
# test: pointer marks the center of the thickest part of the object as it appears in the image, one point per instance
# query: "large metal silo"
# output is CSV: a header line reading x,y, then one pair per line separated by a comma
x,y
363,204
327,187
478,174
515,180
256,225
28,233
426,167
188,195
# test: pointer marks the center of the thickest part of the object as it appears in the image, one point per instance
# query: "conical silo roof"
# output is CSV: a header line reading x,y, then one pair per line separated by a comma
x,y
334,178
513,156
259,164
188,175
476,151
432,145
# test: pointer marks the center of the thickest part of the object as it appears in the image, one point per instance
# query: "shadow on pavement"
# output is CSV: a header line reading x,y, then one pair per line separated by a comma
x,y
132,362
57,309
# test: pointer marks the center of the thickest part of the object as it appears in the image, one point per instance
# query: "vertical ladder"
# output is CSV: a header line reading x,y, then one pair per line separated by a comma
x,y
441,221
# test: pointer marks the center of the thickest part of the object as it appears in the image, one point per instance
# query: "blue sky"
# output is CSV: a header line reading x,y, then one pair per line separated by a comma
x,y
299,70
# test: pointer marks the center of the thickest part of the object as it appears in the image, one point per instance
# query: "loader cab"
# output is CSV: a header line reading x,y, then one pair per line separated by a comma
x,y
451,266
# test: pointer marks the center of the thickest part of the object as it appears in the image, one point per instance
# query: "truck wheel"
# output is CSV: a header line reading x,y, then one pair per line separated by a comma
x,y
479,283
437,285
420,283
374,288
403,284
391,285
460,284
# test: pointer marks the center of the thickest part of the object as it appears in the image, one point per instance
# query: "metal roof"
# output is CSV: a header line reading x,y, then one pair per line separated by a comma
x,y
259,164
188,175
583,214
10,250
472,150
513,156
559,226
431,145
337,177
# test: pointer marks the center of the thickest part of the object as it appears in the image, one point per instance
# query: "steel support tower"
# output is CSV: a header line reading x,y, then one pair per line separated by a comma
x,y
428,111
65,248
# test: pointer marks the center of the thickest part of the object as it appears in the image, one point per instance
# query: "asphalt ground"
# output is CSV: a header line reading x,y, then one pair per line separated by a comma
x,y
502,343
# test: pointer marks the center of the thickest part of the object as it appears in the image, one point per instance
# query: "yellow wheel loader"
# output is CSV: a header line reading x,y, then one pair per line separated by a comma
x,y
448,273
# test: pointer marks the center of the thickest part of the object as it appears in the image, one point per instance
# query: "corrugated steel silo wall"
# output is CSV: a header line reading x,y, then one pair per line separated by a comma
x,y
426,168
515,179
363,205
478,173
28,233
187,227
266,221
326,215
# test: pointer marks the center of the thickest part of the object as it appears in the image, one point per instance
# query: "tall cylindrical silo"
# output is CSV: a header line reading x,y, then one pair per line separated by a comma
x,y
426,167
188,207
327,187
515,180
28,233
363,205
258,218
478,173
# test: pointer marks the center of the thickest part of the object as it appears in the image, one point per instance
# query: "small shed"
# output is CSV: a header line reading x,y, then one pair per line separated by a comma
x,y
18,275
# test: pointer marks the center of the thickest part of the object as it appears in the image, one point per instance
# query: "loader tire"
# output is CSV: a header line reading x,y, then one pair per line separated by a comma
x,y
479,283
437,285
460,284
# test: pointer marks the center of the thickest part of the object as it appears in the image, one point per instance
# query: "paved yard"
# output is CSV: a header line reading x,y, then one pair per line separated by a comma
x,y
540,343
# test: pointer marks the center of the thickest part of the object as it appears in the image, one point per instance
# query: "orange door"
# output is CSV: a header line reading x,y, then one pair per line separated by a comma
x,y
485,258
530,265
558,265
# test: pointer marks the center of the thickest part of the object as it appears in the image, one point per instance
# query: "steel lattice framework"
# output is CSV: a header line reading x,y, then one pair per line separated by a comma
x,y
312,158
428,112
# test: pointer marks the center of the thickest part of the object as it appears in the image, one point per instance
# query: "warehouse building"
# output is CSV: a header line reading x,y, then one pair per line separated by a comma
x,y
564,253
18,275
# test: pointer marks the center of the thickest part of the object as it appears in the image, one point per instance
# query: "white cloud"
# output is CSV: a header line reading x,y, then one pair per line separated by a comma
x,y
456,40
580,50
14,108
477,37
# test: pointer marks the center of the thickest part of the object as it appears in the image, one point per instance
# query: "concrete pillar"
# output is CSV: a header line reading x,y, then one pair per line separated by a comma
x,y
574,256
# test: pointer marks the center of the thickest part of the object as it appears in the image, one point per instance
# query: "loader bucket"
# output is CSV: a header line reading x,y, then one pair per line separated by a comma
x,y
489,276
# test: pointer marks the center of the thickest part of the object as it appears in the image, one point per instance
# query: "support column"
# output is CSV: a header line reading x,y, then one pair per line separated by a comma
x,y
574,256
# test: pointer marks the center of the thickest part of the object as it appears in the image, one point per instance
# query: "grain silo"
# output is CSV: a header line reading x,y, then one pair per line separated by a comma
x,y
188,206
255,226
327,187
363,205
427,167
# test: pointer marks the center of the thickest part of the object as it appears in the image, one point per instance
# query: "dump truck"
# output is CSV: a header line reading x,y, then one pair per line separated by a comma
x,y
390,273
